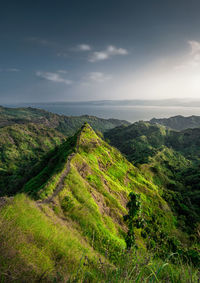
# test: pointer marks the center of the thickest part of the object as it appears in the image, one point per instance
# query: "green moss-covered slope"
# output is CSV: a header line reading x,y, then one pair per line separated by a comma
x,y
98,182
21,146
27,134
171,160
77,220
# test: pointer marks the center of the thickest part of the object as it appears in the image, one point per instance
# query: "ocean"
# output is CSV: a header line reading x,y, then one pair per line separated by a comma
x,y
130,113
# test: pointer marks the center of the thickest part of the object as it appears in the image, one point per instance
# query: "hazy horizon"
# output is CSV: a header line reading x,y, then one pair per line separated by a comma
x,y
130,110
170,101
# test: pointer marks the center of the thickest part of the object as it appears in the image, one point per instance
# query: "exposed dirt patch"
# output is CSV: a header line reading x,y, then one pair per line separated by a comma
x,y
105,209
60,184
5,200
83,169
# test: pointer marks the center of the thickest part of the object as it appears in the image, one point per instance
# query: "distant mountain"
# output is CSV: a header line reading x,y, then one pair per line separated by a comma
x,y
178,122
142,140
67,125
126,102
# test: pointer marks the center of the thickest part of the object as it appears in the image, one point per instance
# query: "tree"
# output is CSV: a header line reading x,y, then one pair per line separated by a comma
x,y
132,218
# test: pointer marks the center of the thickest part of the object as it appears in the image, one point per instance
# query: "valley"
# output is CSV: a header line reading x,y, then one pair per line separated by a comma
x,y
91,200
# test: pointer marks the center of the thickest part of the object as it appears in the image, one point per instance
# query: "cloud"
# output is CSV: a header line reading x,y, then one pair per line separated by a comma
x,y
191,60
64,52
41,41
107,53
62,71
194,52
12,70
98,77
53,77
195,47
83,47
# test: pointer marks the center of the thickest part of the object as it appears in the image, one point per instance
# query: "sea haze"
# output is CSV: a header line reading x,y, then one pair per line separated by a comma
x,y
130,110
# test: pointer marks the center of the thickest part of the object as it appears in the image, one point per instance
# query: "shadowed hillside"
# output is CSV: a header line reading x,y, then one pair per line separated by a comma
x,y
23,145
178,122
171,160
84,195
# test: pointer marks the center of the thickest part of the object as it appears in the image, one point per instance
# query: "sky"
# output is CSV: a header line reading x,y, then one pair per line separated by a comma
x,y
99,49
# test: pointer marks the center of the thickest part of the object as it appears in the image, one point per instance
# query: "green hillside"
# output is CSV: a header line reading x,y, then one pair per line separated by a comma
x,y
171,160
67,125
26,134
91,216
178,122
21,146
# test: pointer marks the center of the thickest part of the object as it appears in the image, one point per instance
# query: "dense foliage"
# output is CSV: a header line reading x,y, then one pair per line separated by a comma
x,y
21,146
178,122
171,160
67,125
87,214
26,134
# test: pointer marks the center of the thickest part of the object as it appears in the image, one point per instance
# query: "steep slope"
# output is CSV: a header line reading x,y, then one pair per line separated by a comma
x,y
78,226
21,146
91,175
97,181
142,140
27,134
138,141
170,159
178,122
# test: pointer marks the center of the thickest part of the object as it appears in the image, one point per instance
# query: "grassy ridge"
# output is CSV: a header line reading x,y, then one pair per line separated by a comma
x,y
95,194
27,134
76,230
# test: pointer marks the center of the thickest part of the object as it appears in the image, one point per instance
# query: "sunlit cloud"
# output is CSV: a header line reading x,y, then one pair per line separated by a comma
x,y
83,47
98,77
53,77
195,47
191,59
173,76
109,52
195,52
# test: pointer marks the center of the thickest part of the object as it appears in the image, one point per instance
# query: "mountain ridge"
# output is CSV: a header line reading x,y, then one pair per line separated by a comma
x,y
86,205
28,133
67,125
178,122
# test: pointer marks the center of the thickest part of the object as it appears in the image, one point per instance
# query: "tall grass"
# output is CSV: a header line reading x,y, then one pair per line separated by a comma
x,y
36,246
33,245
